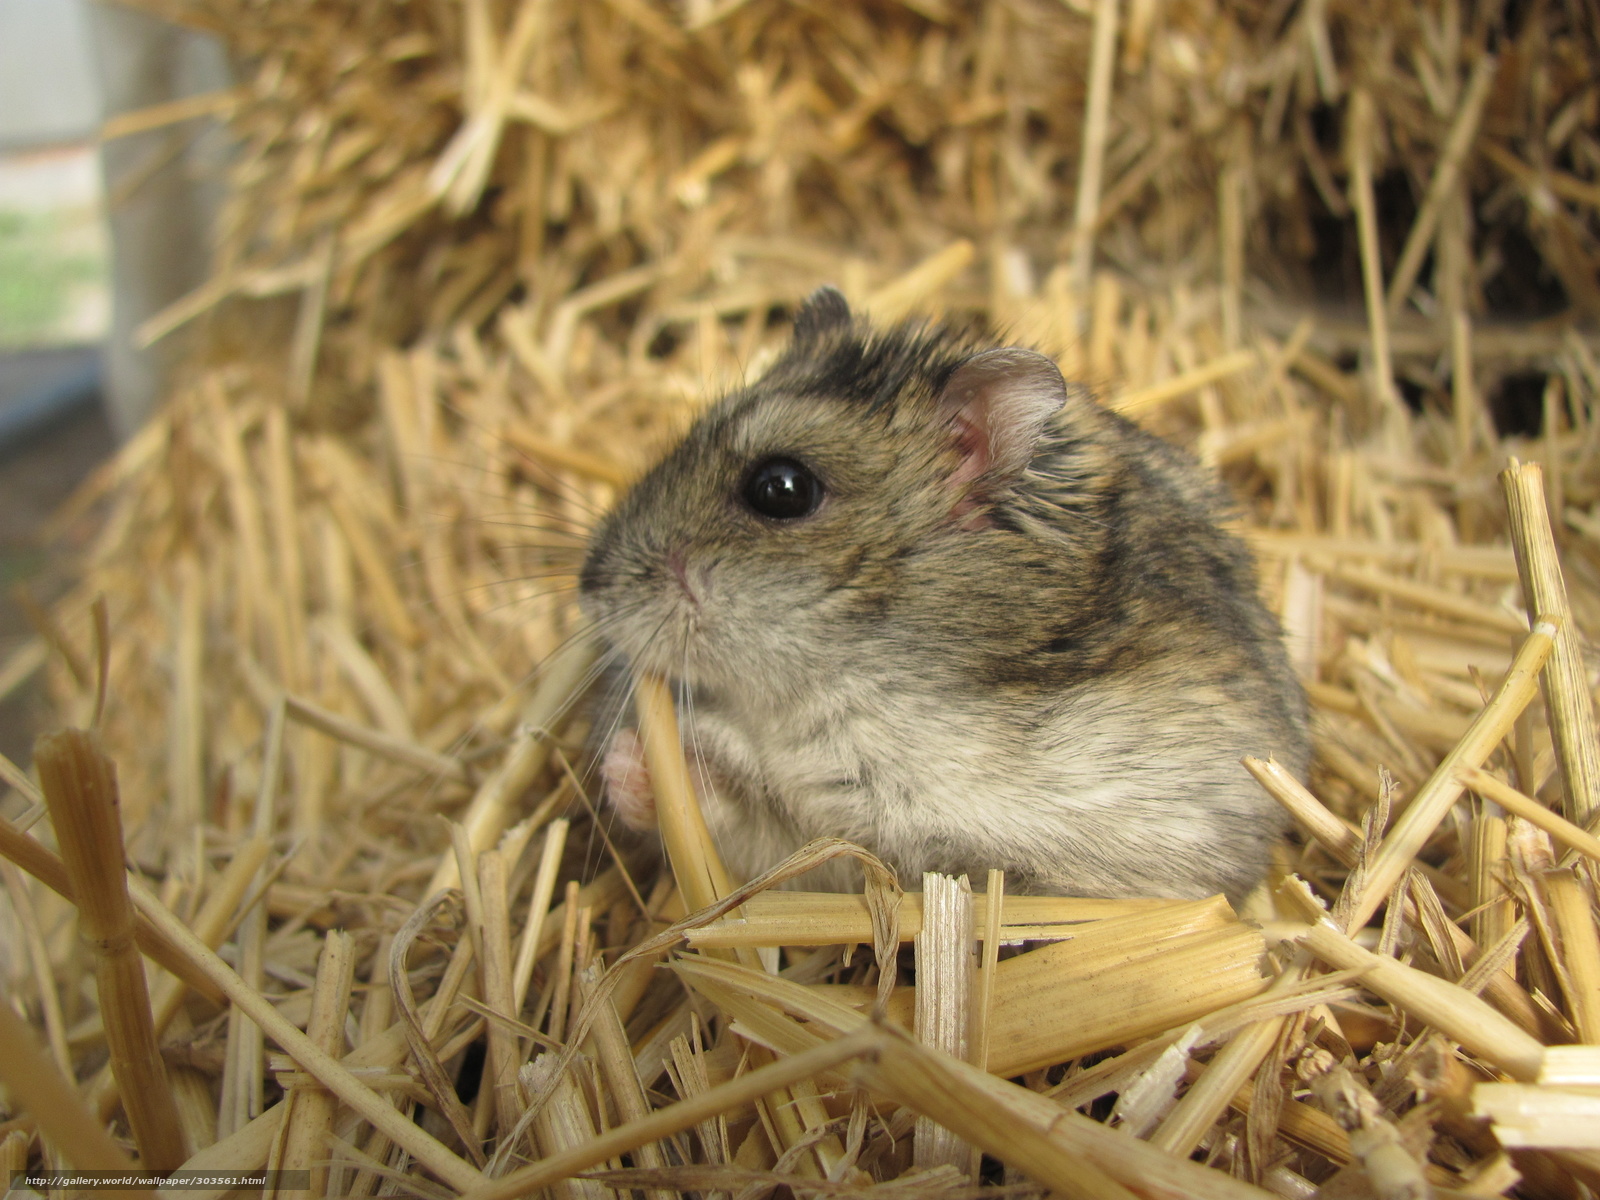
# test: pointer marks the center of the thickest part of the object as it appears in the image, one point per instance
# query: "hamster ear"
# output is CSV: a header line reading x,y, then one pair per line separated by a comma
x,y
825,309
998,403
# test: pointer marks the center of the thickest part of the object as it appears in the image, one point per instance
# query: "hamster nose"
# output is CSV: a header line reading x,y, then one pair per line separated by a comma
x,y
677,564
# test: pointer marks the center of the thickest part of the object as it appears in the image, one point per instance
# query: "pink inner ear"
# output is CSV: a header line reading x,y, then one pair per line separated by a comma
x,y
972,445
997,404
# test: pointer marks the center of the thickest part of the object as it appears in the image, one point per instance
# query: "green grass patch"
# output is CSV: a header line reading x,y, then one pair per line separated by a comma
x,y
42,273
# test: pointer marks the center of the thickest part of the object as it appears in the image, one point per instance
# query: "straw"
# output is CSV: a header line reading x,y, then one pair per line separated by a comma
x,y
1454,1011
80,786
983,994
897,299
1571,710
544,889
1446,173
562,1123
489,812
1062,1149
839,919
1097,104
1154,395
1181,1130
387,746
311,1117
1443,788
1571,908
497,987
695,864
944,1000
1535,1116
1359,135
674,1119
1571,1066
333,1075
39,961
1530,810
37,1086
1375,1140
215,920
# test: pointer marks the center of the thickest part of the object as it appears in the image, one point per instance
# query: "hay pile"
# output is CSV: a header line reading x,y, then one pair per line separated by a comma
x,y
481,259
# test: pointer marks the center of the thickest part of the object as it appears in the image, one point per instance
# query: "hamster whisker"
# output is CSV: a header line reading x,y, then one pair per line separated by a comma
x,y
515,601
556,559
553,571
546,480
542,578
550,520
608,657
535,516
684,702
431,521
543,479
585,634
602,827
691,730
490,433
537,472
551,526
538,558
619,703
576,538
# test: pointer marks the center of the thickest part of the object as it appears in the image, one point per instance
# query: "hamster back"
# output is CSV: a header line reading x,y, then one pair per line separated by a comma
x,y
919,593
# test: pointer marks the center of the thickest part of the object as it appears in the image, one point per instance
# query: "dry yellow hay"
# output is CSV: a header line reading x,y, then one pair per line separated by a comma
x,y
480,259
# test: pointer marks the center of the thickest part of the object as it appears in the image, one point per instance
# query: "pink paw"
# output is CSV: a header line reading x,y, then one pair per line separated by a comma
x,y
627,781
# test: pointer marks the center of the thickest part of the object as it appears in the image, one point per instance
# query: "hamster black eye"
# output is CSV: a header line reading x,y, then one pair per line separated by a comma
x,y
782,490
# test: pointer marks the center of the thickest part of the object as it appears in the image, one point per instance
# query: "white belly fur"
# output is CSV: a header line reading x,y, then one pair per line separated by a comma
x,y
1100,799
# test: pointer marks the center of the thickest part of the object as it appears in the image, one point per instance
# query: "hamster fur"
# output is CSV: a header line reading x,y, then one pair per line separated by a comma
x,y
921,594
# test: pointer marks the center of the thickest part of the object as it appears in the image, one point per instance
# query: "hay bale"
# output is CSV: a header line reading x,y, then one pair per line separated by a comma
x,y
479,260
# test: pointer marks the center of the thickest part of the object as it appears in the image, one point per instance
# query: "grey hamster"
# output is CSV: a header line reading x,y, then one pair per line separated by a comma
x,y
919,593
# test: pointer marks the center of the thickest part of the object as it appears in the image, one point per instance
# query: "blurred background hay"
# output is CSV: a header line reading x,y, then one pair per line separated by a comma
x,y
479,260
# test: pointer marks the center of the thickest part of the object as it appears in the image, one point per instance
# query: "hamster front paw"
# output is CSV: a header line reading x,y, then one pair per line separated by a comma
x,y
626,777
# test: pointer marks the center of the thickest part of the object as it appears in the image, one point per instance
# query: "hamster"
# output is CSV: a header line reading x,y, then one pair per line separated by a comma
x,y
919,593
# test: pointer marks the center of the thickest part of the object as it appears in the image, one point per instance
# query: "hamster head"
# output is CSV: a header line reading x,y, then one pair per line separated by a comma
x,y
789,511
